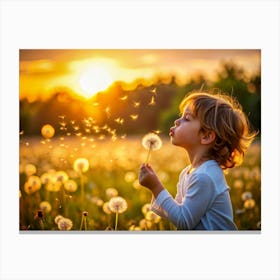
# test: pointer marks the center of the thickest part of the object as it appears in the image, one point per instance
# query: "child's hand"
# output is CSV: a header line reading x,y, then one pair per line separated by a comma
x,y
149,179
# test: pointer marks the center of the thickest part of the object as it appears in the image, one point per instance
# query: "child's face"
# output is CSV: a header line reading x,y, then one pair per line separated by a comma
x,y
186,132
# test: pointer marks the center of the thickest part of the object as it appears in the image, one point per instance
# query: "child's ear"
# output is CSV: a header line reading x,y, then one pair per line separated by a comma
x,y
208,137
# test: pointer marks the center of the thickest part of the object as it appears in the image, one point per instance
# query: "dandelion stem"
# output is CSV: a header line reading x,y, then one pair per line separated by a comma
x,y
82,191
149,154
116,222
81,226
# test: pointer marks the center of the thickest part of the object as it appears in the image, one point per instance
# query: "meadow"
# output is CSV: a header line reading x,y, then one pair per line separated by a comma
x,y
81,183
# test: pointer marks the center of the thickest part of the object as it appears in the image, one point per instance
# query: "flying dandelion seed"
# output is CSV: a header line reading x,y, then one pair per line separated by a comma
x,y
151,142
246,195
152,101
47,131
117,205
134,117
119,120
108,112
136,104
153,91
123,97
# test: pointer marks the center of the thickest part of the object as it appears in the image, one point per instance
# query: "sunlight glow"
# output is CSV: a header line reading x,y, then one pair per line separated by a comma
x,y
93,79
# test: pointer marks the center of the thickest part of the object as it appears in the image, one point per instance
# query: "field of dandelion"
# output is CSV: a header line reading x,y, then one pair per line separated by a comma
x,y
77,184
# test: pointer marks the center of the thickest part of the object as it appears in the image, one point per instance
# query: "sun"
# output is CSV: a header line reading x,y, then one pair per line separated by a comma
x,y
93,79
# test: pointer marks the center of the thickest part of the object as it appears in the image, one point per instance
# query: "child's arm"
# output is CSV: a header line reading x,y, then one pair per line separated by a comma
x,y
149,179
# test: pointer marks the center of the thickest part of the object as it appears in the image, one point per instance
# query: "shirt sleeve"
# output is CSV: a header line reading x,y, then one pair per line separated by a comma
x,y
199,196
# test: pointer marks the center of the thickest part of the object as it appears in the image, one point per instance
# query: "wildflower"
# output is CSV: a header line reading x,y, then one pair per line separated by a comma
x,y
111,192
64,224
70,186
151,142
81,165
249,203
45,206
47,131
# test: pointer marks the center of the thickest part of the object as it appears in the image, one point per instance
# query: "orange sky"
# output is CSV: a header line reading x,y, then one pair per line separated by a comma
x,y
89,71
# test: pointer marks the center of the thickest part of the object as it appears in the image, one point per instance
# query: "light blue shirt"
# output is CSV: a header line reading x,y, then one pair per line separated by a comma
x,y
202,201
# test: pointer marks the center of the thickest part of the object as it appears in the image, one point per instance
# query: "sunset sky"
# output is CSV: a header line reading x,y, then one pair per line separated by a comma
x,y
89,71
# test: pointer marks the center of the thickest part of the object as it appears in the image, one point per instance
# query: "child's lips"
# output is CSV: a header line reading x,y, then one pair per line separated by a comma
x,y
171,132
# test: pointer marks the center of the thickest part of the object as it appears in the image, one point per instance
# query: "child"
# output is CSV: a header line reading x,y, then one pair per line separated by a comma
x,y
214,131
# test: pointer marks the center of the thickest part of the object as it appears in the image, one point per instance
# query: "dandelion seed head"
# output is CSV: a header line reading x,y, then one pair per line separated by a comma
x,y
111,192
34,181
151,141
53,186
57,218
61,176
117,204
47,131
152,217
64,224
130,176
106,208
249,204
30,169
70,186
45,206
145,208
246,195
81,165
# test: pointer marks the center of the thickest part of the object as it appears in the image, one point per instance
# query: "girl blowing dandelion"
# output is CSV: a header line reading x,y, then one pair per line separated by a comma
x,y
215,134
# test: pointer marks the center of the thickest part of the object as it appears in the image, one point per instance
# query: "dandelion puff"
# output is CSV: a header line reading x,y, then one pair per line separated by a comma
x,y
117,205
47,131
246,195
45,206
249,203
152,217
106,208
111,192
81,165
61,176
57,218
30,169
151,142
70,186
64,224
145,208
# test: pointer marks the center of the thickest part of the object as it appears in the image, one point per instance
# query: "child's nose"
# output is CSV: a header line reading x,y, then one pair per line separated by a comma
x,y
177,122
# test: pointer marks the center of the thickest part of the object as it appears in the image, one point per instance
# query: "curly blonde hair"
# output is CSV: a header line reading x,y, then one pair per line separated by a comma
x,y
223,115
